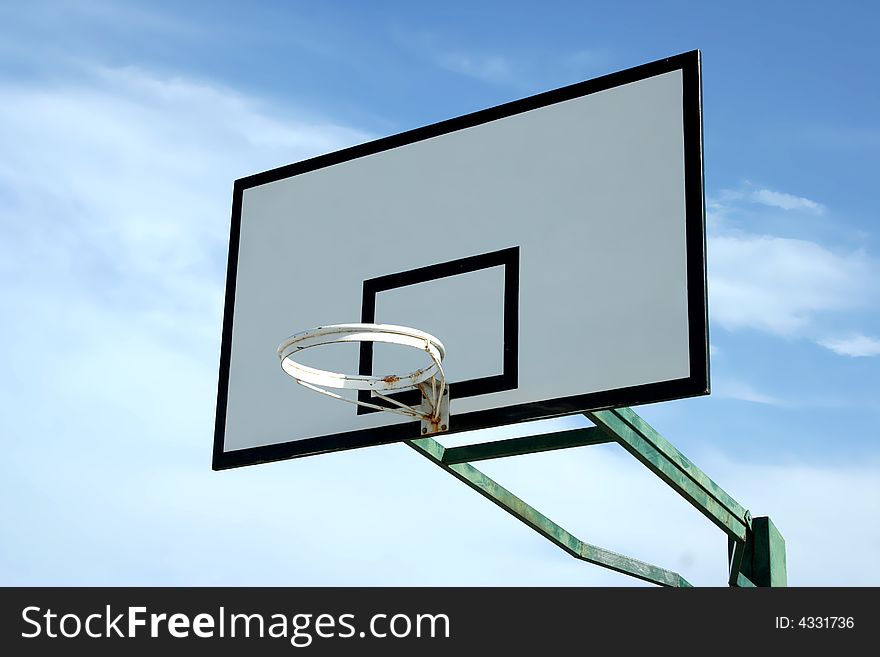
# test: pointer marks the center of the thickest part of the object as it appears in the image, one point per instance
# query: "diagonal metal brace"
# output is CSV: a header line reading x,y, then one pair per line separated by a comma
x,y
662,458
756,552
496,493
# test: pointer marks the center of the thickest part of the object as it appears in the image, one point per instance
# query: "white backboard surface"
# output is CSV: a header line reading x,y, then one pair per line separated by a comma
x,y
556,245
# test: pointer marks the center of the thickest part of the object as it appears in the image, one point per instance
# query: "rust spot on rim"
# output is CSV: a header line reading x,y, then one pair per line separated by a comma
x,y
391,378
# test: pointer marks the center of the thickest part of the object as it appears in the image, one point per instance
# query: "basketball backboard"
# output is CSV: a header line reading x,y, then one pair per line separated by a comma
x,y
555,244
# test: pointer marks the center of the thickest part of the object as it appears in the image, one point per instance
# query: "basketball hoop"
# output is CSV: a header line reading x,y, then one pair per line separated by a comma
x,y
430,380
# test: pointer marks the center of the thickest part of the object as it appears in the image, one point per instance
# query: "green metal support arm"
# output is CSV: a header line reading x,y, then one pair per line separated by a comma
x,y
756,551
496,493
528,445
659,455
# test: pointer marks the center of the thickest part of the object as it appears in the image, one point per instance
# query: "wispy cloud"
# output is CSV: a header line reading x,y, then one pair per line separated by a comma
x,y
781,285
119,185
785,201
586,62
731,389
856,346
525,69
494,69
115,193
515,70
772,198
786,286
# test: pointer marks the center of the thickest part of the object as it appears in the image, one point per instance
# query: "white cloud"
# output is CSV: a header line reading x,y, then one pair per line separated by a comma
x,y
780,285
116,189
856,345
769,197
488,68
115,195
732,389
590,61
785,201
785,286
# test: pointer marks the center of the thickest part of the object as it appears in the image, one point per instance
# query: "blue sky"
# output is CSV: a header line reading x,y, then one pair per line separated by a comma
x,y
122,128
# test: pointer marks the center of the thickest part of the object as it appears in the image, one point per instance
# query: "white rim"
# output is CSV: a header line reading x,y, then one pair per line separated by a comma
x,y
390,333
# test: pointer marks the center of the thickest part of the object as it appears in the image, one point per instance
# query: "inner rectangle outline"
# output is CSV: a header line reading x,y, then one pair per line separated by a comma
x,y
508,379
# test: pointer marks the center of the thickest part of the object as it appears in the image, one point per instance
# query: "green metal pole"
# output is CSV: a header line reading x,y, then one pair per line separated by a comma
x,y
763,562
